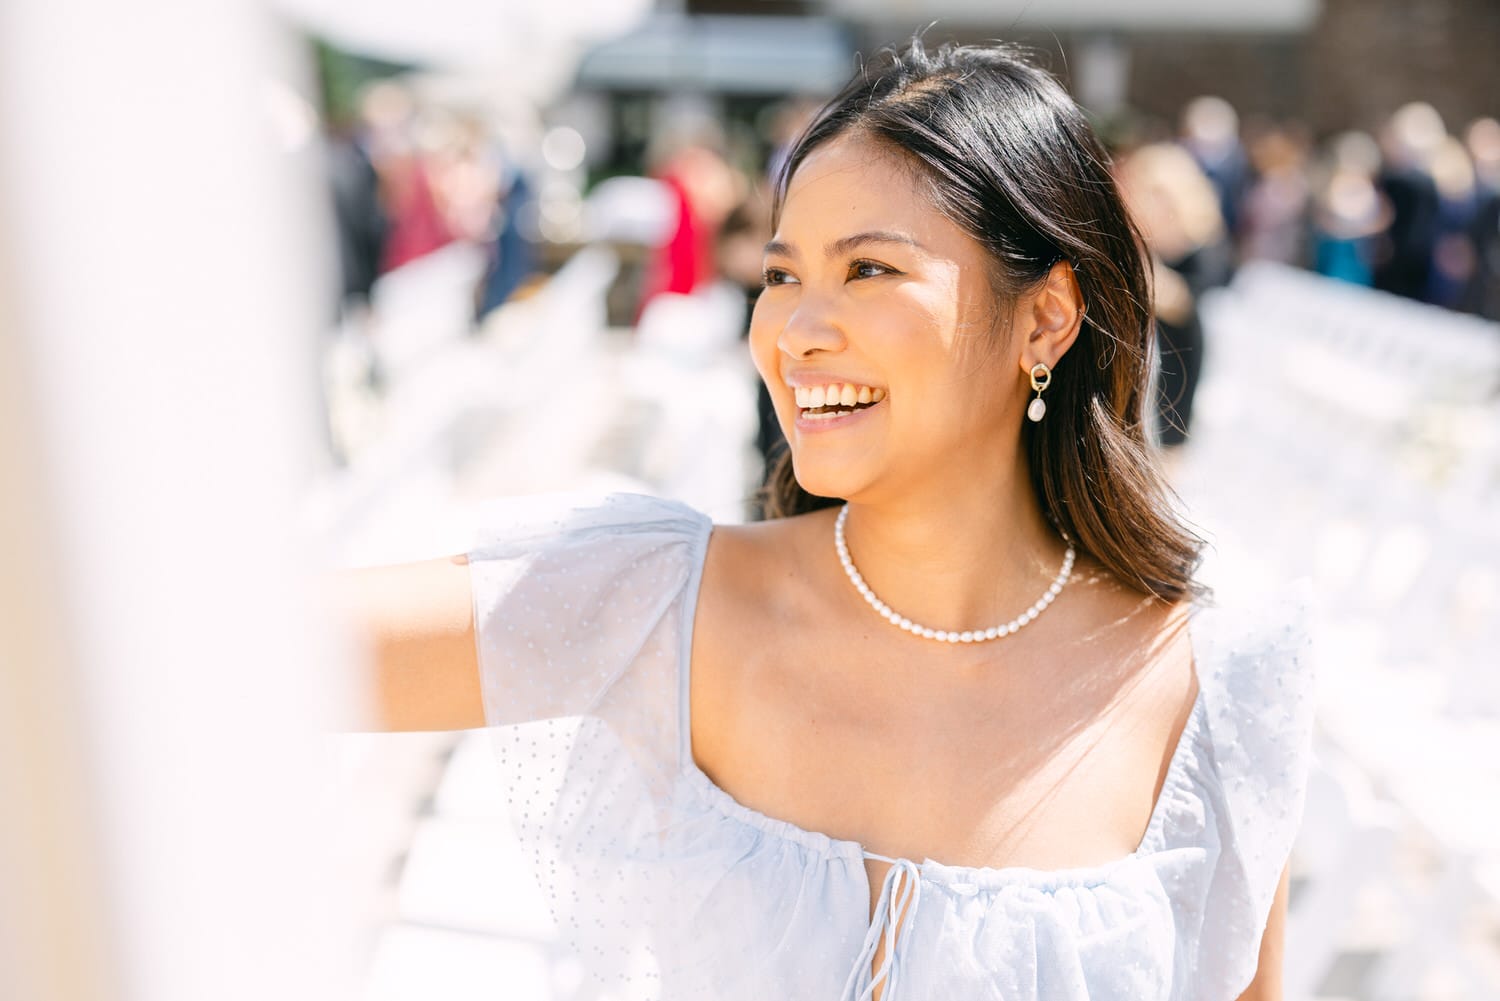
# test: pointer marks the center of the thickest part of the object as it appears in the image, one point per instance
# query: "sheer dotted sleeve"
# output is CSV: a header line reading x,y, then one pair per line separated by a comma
x,y
583,614
577,599
1259,698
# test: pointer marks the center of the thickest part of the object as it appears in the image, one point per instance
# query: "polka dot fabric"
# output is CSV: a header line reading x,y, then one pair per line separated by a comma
x,y
667,889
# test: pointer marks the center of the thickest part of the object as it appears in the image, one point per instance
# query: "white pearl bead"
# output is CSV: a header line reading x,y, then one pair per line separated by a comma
x,y
947,636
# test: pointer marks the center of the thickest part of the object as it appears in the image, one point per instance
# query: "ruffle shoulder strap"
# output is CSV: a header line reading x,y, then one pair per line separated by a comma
x,y
1259,696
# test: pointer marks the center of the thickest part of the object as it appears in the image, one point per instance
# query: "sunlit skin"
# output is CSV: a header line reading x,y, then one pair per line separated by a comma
x,y
912,310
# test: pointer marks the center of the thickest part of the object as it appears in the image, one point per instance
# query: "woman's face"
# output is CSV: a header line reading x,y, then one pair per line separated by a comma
x,y
869,286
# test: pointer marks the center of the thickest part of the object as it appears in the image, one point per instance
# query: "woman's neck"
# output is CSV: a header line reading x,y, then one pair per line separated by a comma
x,y
961,558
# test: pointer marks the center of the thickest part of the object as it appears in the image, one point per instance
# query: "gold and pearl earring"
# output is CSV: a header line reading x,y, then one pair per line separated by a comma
x,y
1041,378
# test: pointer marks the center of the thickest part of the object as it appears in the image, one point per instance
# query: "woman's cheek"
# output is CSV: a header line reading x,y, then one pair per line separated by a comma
x,y
763,345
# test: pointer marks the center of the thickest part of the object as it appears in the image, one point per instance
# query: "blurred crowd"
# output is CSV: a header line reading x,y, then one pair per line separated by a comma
x,y
1411,210
409,178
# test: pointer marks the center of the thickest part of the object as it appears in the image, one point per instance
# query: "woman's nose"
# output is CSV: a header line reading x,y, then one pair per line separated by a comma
x,y
810,328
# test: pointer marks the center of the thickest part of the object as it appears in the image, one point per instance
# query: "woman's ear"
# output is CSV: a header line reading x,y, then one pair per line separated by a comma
x,y
1053,316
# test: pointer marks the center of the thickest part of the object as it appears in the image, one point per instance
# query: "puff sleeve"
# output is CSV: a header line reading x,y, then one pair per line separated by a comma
x,y
579,601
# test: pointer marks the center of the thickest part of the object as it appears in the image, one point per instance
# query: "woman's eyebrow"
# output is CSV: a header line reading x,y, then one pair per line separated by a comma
x,y
844,244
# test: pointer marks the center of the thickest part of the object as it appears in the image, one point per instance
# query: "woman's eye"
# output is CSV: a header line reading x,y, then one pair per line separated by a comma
x,y
775,276
868,269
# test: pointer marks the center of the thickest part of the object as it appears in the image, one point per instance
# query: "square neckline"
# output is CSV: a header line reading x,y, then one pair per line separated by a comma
x,y
849,849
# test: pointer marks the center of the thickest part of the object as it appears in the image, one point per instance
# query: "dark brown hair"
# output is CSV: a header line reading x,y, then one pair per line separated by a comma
x,y
1008,156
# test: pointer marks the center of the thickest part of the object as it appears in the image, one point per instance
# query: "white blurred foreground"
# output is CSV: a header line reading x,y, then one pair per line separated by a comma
x,y
162,691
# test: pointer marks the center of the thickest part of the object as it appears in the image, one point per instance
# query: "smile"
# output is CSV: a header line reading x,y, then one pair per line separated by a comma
x,y
823,408
835,399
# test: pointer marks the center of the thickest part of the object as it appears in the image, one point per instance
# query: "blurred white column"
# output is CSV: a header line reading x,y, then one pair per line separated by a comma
x,y
161,694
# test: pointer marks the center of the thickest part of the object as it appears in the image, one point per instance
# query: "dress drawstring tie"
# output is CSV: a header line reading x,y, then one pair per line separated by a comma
x,y
901,884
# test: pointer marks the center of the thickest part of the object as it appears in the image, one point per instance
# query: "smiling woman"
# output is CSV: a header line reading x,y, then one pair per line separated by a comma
x,y
990,160
957,720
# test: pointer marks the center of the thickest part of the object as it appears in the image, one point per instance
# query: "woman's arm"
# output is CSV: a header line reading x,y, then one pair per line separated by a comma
x,y
1267,984
416,621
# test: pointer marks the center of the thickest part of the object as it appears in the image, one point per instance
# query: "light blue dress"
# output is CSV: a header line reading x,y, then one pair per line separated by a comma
x,y
667,889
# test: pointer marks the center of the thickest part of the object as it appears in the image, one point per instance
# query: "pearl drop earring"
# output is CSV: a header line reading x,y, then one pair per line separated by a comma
x,y
1038,407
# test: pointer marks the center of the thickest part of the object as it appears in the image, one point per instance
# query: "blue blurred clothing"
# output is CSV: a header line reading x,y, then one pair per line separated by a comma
x,y
512,257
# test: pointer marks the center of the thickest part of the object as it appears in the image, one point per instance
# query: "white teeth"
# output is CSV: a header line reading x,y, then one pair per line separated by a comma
x,y
838,394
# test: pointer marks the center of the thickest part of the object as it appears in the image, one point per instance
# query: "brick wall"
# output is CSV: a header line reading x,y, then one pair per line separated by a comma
x,y
1368,57
1356,64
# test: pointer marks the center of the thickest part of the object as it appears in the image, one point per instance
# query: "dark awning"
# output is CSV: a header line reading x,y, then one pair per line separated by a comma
x,y
1002,16
723,54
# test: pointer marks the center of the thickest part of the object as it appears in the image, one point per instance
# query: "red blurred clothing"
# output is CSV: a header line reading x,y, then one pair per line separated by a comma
x,y
686,259
704,188
417,226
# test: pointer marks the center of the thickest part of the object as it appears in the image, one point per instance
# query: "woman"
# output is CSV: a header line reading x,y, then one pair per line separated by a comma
x,y
952,724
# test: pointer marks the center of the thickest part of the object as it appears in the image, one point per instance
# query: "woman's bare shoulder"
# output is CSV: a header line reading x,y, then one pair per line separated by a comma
x,y
1143,640
762,560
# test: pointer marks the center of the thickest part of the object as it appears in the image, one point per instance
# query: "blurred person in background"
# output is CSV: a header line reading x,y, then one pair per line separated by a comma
x,y
1177,208
463,174
1273,224
1455,257
489,201
511,250
359,219
1403,262
1483,296
955,331
1210,131
705,189
416,224
1348,214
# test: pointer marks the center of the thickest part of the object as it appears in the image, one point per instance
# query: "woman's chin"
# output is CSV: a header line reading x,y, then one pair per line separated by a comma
x,y
825,482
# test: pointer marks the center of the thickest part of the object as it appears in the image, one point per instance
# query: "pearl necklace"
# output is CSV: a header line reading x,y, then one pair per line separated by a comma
x,y
976,636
